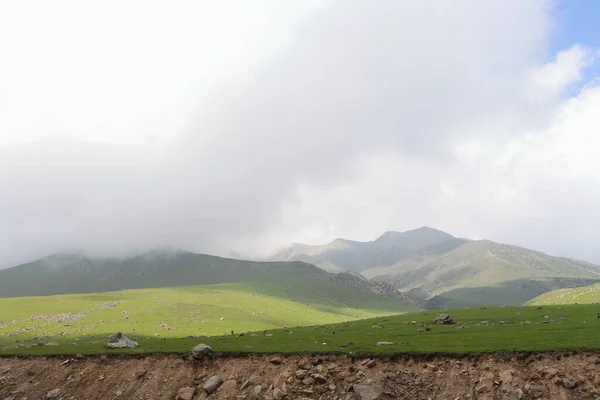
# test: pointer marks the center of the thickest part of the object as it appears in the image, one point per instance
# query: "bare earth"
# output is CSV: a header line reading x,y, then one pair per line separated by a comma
x,y
549,376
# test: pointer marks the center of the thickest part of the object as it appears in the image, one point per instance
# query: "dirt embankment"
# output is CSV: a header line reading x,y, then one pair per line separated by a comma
x,y
564,376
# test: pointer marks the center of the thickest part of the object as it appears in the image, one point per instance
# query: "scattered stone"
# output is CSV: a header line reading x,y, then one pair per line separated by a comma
x,y
79,356
278,394
186,393
520,394
444,319
53,394
371,363
501,322
320,379
569,383
142,373
257,389
118,393
308,381
212,384
369,392
201,350
118,341
301,374
276,360
384,343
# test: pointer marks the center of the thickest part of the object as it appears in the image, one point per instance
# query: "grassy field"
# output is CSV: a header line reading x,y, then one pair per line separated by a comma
x,y
142,314
580,295
164,313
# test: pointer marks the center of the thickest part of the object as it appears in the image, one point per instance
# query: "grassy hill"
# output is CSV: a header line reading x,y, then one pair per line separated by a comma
x,y
449,272
62,274
579,295
507,329
172,312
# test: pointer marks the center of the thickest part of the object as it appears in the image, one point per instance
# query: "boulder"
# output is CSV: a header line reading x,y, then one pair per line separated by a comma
x,y
369,392
118,341
212,384
444,319
186,393
201,350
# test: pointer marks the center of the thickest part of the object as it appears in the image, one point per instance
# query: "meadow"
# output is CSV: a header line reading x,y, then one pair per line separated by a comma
x,y
175,319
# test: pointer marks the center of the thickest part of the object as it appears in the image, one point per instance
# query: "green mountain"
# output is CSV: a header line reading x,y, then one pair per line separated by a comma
x,y
296,281
449,272
579,295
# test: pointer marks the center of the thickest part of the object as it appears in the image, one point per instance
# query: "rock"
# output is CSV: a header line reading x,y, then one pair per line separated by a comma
x,y
186,393
118,341
257,389
53,394
301,373
320,379
142,373
370,363
212,384
520,394
569,383
308,381
278,394
118,393
276,360
369,392
228,389
481,388
506,376
201,350
384,343
551,372
444,319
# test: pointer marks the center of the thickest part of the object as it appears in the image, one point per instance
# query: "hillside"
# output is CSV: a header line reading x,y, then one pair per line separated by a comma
x,y
579,295
67,273
450,272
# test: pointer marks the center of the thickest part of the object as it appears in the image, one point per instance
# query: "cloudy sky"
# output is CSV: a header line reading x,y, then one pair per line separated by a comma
x,y
246,125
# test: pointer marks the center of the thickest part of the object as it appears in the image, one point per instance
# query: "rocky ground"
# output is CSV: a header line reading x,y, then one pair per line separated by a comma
x,y
549,376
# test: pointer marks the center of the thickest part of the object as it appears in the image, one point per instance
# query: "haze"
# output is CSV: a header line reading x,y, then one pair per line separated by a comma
x,y
214,126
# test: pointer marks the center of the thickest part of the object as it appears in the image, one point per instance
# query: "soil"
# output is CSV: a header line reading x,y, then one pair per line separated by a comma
x,y
541,376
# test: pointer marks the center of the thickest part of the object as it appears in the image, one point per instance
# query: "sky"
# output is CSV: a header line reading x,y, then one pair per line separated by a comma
x,y
216,126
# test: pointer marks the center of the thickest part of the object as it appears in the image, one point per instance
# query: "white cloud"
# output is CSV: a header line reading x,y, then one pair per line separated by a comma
x,y
204,125
554,77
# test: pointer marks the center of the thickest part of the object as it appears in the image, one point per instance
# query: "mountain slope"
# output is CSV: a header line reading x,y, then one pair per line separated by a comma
x,y
387,250
449,272
579,295
61,274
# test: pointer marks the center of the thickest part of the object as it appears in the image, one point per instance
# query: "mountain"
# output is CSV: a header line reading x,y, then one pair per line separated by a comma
x,y
70,273
447,271
387,250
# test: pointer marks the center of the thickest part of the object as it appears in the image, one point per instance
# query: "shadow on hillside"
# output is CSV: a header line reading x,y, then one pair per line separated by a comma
x,y
508,293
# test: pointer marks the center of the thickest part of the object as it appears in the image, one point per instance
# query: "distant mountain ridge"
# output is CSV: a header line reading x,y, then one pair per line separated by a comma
x,y
72,273
448,271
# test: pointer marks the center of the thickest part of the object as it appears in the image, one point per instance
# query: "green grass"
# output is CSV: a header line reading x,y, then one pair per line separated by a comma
x,y
165,313
192,311
579,295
